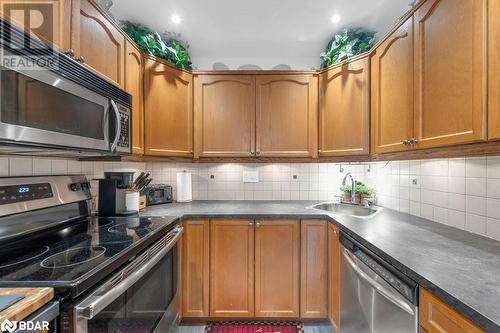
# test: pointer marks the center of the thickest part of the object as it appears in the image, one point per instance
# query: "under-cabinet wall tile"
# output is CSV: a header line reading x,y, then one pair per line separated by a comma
x,y
42,167
20,166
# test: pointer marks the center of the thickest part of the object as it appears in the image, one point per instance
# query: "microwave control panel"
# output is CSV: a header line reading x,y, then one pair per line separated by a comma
x,y
124,140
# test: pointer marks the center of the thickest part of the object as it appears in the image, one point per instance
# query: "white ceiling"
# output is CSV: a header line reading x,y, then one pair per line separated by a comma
x,y
260,32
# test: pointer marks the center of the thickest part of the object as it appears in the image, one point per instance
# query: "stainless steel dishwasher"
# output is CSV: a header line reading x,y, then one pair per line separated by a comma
x,y
375,297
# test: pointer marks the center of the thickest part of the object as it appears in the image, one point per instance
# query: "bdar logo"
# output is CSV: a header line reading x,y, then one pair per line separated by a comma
x,y
8,326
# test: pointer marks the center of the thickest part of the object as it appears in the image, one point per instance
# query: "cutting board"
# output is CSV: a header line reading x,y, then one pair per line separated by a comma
x,y
34,299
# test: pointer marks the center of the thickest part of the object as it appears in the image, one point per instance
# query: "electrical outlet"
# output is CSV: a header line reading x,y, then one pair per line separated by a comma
x,y
250,176
414,181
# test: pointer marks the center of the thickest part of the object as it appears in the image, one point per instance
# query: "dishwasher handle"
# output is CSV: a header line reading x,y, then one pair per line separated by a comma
x,y
388,294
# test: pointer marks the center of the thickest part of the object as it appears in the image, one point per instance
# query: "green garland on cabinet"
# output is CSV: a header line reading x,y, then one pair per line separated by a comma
x,y
346,44
153,44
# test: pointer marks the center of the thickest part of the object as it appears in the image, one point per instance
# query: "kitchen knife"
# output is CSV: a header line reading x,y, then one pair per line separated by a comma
x,y
139,178
145,184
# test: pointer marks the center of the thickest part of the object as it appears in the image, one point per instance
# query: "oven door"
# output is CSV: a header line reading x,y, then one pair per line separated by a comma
x,y
143,297
39,107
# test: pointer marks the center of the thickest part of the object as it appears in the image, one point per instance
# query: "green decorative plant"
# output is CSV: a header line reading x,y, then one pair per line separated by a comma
x,y
152,43
359,189
346,44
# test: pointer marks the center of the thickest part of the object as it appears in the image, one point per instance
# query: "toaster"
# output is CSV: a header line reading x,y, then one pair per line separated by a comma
x,y
158,194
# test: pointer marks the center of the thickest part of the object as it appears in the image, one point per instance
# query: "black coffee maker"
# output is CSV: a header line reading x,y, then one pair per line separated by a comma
x,y
112,194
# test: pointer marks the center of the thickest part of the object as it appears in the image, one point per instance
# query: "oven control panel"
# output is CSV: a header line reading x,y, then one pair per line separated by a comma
x,y
26,192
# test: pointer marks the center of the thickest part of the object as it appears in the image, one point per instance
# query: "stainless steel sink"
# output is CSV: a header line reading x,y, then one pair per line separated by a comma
x,y
348,209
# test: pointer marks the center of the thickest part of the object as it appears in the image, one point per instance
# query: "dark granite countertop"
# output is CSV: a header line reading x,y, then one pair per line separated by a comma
x,y
461,268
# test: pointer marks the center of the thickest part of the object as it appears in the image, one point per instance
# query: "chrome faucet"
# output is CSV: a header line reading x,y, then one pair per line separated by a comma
x,y
353,186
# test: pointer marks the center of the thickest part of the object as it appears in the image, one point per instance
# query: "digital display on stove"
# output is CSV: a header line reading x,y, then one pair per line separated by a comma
x,y
26,192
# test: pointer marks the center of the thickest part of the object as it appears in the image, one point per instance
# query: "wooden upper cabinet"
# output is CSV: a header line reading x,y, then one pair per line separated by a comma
x,y
54,31
134,86
98,41
286,119
231,268
195,269
334,276
277,268
344,109
438,317
168,110
450,72
494,70
392,91
224,113
313,275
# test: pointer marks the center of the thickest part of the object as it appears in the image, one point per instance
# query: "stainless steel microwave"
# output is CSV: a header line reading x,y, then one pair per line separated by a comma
x,y
58,107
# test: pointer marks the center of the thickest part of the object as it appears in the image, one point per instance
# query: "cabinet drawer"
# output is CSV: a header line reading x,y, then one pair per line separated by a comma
x,y
438,317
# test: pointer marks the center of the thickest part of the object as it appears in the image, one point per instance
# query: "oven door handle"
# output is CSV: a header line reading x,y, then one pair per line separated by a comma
x,y
389,295
94,304
118,126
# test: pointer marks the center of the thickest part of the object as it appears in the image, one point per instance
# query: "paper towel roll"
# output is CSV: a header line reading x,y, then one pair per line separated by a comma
x,y
184,193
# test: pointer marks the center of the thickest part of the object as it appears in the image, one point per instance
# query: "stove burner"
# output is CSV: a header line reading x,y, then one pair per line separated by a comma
x,y
24,255
122,226
73,257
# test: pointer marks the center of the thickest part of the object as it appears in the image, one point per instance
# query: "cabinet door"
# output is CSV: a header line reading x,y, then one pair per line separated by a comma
x,y
56,26
334,276
98,41
313,270
494,70
437,317
287,115
231,268
450,75
344,109
277,262
169,111
134,86
195,269
224,115
392,91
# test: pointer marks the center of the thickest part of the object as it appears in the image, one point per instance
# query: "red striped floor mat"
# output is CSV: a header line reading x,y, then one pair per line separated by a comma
x,y
254,327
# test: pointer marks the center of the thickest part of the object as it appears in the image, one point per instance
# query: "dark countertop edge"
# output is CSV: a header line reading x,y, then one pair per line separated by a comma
x,y
464,309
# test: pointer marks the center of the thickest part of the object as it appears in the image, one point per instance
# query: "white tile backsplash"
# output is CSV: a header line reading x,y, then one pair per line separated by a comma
x,y
460,192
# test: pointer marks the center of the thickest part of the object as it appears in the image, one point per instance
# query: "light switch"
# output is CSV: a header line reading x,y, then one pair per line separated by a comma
x,y
250,176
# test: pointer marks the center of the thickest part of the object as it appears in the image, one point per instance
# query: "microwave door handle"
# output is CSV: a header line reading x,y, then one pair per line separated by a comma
x,y
105,125
118,126
389,295
94,304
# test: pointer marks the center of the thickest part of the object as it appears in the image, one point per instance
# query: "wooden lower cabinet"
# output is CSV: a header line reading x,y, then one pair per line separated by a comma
x,y
313,270
232,268
438,317
334,276
195,269
277,268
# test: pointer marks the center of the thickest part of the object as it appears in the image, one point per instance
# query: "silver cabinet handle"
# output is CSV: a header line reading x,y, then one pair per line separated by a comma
x,y
413,141
389,295
257,225
70,53
118,126
94,304
406,142
80,59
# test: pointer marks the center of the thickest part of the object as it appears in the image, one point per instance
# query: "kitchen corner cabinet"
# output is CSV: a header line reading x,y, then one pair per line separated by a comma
x,y
494,70
232,268
344,109
313,274
437,317
277,268
392,91
334,276
450,85
195,269
224,115
286,115
168,110
134,86
97,42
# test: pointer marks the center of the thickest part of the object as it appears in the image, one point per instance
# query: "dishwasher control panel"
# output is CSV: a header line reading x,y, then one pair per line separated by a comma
x,y
390,278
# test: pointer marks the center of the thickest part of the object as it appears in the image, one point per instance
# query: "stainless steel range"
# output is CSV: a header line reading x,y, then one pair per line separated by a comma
x,y
109,274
